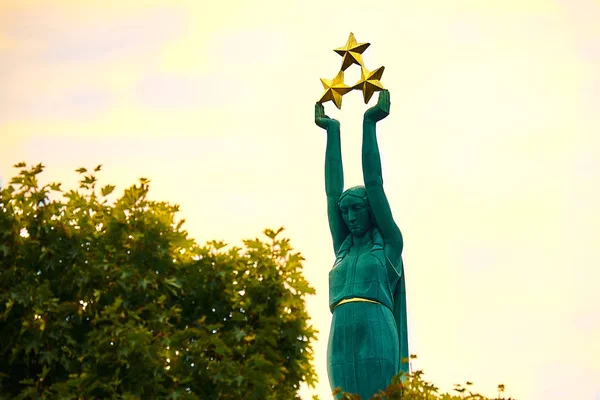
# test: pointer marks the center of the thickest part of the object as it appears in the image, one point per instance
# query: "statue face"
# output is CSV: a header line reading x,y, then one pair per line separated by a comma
x,y
355,212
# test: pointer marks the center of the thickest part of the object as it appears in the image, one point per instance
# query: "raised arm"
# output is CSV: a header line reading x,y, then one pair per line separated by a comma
x,y
373,179
334,175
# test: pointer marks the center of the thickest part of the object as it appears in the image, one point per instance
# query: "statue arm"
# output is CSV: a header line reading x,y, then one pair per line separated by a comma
x,y
334,176
334,186
373,178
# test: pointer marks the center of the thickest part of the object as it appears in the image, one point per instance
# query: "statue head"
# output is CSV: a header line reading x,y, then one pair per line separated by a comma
x,y
356,212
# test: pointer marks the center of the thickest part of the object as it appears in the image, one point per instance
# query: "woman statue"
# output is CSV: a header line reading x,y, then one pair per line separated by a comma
x,y
368,341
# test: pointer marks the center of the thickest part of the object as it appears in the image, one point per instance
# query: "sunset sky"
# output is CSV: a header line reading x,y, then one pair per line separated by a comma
x,y
491,153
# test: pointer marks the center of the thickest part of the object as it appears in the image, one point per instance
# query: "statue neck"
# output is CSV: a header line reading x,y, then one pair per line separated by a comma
x,y
360,241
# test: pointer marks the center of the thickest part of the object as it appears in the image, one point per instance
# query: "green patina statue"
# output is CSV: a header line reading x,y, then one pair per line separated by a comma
x,y
368,341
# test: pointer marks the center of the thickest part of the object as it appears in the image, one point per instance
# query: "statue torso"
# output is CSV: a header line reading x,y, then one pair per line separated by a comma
x,y
364,272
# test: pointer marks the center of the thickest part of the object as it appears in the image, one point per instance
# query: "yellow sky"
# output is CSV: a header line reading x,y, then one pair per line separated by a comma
x,y
491,156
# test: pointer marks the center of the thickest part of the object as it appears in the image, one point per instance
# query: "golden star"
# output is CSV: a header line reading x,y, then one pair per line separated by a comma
x,y
334,89
369,82
351,53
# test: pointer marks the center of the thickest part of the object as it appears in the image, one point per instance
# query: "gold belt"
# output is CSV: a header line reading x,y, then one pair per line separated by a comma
x,y
353,299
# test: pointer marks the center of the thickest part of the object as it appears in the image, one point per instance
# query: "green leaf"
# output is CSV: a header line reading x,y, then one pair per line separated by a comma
x,y
81,170
143,283
173,282
48,356
271,234
220,347
89,179
32,344
239,334
9,305
107,189
5,250
45,371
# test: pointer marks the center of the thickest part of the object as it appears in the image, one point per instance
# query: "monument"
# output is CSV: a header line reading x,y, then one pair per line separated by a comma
x,y
368,341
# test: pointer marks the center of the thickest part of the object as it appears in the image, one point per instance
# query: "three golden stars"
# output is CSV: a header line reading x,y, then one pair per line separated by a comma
x,y
369,80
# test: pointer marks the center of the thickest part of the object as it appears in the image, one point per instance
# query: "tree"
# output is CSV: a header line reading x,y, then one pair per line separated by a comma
x,y
413,386
112,299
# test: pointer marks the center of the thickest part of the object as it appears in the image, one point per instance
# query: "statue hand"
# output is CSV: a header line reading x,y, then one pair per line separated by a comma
x,y
381,109
323,120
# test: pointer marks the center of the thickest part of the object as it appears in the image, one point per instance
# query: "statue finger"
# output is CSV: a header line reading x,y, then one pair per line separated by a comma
x,y
386,100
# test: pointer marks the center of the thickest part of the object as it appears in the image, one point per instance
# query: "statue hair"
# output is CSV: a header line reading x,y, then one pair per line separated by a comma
x,y
355,191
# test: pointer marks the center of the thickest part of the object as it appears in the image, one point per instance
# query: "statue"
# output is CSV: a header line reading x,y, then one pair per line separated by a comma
x,y
368,341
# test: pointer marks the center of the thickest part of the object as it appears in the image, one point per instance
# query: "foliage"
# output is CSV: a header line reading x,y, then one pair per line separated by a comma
x,y
112,299
412,386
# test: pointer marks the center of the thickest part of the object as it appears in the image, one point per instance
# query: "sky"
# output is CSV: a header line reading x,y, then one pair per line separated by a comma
x,y
490,155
